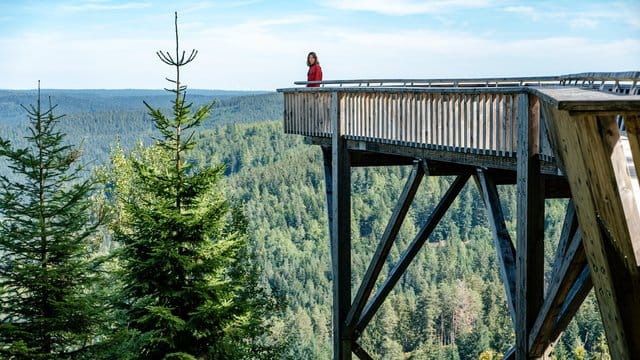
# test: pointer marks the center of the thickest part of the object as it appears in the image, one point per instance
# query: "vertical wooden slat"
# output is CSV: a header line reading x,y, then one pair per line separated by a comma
x,y
423,113
447,118
499,125
441,124
385,117
494,123
505,121
459,123
469,114
514,124
432,124
299,124
476,125
484,124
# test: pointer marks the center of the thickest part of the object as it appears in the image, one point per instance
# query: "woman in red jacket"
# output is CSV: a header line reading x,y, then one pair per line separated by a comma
x,y
315,71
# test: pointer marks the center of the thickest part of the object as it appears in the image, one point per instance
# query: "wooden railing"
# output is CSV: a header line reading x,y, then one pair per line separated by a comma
x,y
480,121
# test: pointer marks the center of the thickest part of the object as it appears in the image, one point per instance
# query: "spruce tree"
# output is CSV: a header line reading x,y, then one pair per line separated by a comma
x,y
49,307
189,288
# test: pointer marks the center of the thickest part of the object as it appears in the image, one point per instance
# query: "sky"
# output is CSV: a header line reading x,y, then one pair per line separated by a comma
x,y
262,44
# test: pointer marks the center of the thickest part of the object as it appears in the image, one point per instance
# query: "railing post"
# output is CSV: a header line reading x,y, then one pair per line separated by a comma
x,y
340,233
530,224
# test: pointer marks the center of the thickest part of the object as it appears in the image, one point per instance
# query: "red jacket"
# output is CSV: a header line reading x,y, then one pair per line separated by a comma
x,y
314,74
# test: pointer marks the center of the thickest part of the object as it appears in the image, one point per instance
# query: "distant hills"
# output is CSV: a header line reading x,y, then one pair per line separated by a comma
x,y
96,119
74,101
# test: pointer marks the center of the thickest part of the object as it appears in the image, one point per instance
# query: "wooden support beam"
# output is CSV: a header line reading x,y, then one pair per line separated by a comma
x,y
364,158
340,233
415,246
632,124
501,239
574,299
556,187
589,150
360,352
530,224
569,285
510,355
384,246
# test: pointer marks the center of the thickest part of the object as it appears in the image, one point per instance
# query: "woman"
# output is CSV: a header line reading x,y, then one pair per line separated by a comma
x,y
315,71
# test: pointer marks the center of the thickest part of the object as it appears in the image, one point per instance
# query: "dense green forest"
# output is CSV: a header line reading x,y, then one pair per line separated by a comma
x,y
449,305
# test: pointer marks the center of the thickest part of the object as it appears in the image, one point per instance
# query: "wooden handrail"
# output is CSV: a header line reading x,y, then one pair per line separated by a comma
x,y
586,78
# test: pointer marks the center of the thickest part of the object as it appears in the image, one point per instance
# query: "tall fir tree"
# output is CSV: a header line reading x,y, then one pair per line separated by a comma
x,y
189,287
49,275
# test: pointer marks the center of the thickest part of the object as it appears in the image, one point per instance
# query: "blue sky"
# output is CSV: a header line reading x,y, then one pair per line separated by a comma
x,y
253,44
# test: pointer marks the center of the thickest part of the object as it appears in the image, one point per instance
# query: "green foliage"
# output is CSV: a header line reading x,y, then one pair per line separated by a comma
x,y
49,275
189,287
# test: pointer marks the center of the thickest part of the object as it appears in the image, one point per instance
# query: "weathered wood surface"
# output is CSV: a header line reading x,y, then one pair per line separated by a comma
x,y
500,129
577,99
340,234
561,302
471,122
590,152
530,224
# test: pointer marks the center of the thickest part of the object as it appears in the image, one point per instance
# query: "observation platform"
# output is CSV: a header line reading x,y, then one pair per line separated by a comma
x,y
572,136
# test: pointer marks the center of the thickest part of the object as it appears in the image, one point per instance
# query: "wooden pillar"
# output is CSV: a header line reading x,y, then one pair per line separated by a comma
x,y
530,223
340,233
589,149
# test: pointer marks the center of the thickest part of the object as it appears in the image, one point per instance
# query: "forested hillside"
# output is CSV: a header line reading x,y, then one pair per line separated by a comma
x,y
449,305
95,119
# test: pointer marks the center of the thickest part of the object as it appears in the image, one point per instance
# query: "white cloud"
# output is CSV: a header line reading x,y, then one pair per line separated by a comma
x,y
104,6
587,16
405,7
584,22
526,10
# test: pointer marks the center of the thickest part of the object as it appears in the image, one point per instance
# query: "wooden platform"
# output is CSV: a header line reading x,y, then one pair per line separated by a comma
x,y
550,136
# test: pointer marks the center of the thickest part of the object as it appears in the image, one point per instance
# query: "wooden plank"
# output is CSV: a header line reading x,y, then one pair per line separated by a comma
x,y
632,123
360,352
501,238
384,246
440,121
579,99
530,225
568,270
505,126
369,159
572,302
510,354
410,253
477,124
587,144
492,123
340,234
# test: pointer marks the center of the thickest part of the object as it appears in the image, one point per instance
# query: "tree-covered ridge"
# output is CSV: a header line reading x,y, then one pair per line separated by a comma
x,y
96,124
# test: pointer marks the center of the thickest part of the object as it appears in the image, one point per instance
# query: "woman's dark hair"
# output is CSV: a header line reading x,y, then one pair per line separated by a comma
x,y
314,56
